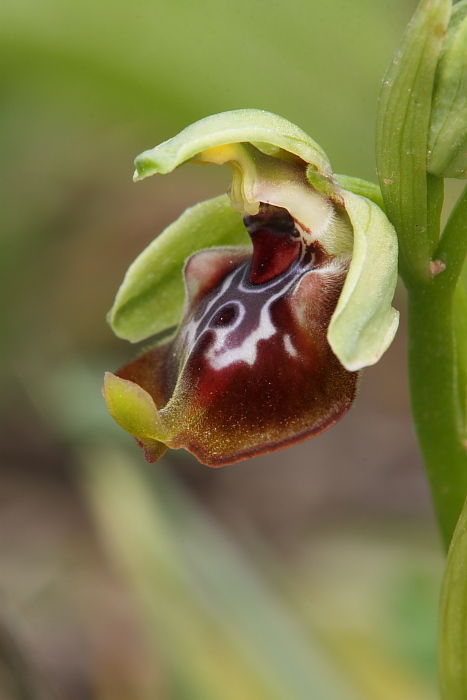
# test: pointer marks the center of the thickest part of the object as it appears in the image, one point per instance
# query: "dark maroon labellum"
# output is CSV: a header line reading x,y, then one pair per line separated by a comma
x,y
251,369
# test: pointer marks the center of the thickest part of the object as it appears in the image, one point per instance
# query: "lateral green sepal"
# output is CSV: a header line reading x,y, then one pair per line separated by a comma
x,y
362,187
152,294
364,322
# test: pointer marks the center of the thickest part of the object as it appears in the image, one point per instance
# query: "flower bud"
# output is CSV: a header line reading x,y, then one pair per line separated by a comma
x,y
447,145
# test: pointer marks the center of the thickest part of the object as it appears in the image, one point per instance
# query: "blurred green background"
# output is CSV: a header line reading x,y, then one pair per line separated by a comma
x,y
312,573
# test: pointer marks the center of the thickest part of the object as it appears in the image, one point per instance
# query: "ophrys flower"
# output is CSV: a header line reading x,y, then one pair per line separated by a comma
x,y
269,335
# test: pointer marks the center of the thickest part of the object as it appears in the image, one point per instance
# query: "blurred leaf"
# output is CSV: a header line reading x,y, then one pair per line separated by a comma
x,y
19,677
381,634
219,625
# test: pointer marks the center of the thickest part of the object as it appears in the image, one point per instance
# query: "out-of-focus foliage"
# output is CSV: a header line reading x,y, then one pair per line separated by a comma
x,y
84,87
213,617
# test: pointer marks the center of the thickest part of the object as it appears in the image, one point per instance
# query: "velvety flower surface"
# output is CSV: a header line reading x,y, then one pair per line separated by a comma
x,y
269,336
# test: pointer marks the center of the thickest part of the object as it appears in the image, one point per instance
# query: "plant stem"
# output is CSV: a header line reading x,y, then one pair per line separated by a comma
x,y
433,384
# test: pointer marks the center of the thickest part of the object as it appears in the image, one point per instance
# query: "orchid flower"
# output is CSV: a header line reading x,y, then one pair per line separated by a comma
x,y
264,304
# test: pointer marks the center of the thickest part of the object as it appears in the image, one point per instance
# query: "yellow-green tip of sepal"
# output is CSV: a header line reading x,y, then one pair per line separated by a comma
x,y
135,411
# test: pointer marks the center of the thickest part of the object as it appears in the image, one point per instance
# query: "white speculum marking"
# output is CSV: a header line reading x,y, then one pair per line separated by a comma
x,y
289,346
239,316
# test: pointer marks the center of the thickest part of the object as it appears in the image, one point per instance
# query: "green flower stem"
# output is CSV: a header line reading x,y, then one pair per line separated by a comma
x,y
434,367
433,385
433,361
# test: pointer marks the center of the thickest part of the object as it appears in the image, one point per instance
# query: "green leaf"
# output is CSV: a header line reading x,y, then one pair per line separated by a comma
x,y
453,616
460,336
402,134
263,129
216,622
448,128
152,294
364,322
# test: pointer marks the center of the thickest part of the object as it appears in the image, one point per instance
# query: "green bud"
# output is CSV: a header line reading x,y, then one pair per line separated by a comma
x,y
402,134
447,145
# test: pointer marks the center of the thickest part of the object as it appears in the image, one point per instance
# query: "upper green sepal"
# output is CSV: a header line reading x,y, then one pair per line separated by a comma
x,y
271,134
447,145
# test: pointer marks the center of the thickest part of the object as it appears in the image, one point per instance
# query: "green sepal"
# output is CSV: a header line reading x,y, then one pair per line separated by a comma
x,y
132,407
364,322
447,146
269,132
152,294
323,184
135,411
402,135
361,187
